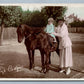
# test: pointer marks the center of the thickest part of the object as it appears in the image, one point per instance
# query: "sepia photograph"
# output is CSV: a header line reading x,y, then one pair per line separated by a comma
x,y
42,41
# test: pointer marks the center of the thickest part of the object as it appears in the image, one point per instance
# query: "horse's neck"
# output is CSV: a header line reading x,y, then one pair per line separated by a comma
x,y
33,31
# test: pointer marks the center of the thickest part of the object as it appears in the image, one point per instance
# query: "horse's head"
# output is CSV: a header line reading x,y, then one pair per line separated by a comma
x,y
20,33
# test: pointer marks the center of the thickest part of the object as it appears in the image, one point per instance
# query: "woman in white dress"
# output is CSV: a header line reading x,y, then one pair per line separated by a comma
x,y
65,47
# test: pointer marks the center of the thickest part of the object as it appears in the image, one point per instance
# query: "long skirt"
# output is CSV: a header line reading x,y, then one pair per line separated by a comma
x,y
66,57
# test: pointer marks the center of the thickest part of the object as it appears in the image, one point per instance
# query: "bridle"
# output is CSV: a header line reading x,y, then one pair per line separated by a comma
x,y
28,36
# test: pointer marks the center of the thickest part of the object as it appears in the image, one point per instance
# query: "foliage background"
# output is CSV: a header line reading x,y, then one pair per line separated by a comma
x,y
14,15
77,24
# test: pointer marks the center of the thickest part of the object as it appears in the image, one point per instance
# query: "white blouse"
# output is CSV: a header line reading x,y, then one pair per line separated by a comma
x,y
63,35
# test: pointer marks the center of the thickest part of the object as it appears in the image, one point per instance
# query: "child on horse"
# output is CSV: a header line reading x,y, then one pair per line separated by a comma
x,y
50,29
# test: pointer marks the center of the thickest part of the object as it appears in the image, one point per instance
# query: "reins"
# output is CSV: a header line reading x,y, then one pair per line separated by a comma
x,y
28,36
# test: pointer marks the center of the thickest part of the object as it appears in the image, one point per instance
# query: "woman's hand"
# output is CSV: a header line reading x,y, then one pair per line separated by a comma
x,y
54,33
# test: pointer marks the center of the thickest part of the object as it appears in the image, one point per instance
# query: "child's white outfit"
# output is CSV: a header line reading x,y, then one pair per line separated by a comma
x,y
50,29
65,46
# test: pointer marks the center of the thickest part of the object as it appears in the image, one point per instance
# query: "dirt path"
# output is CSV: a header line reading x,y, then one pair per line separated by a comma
x,y
14,62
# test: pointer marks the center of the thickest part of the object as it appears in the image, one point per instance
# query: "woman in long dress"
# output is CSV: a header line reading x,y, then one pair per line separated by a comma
x,y
65,47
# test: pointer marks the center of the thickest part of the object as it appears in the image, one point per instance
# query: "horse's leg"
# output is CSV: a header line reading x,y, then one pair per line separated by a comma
x,y
49,58
32,58
57,50
47,61
42,60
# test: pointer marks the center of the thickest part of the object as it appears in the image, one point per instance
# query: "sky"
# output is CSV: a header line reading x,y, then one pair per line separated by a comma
x,y
76,9
79,11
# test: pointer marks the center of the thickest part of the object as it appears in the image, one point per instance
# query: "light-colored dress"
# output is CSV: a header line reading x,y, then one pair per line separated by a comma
x,y
65,46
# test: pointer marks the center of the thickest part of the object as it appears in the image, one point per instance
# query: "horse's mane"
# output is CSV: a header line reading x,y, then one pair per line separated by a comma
x,y
36,30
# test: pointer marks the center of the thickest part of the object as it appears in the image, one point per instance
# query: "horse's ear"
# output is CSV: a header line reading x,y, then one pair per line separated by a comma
x,y
22,26
19,26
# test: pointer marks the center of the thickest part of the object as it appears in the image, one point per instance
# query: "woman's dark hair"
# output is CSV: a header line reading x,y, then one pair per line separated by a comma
x,y
60,19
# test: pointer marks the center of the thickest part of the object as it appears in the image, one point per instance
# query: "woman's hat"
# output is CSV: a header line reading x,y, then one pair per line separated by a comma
x,y
60,19
51,19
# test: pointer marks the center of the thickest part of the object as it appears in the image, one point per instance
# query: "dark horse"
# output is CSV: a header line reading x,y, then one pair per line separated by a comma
x,y
36,38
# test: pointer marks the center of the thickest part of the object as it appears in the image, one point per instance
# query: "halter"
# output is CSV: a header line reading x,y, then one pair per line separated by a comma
x,y
28,36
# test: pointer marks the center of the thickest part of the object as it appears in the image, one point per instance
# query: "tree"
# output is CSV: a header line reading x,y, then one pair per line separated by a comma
x,y
33,18
77,24
54,11
26,16
36,19
9,15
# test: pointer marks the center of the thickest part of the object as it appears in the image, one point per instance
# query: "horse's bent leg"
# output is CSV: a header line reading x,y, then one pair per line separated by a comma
x,y
33,58
49,58
57,50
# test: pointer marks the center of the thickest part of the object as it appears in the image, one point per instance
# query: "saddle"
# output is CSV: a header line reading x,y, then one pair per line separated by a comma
x,y
53,45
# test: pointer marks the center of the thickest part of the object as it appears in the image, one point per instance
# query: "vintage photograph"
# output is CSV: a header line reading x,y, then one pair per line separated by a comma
x,y
42,41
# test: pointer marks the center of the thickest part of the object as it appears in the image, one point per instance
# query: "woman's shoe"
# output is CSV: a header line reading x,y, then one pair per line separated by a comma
x,y
63,70
68,71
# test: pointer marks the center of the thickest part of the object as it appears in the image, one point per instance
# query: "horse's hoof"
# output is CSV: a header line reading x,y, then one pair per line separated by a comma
x,y
30,68
47,70
43,71
33,66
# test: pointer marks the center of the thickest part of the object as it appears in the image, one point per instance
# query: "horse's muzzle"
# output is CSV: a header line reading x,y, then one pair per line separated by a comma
x,y
19,40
